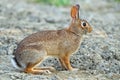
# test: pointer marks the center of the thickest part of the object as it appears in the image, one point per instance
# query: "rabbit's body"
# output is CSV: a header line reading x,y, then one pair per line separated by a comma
x,y
59,43
53,41
47,43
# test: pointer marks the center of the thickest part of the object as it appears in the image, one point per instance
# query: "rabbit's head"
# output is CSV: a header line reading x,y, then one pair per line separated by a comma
x,y
78,26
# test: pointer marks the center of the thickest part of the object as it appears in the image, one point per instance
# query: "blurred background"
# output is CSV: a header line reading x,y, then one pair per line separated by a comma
x,y
99,55
64,2
54,2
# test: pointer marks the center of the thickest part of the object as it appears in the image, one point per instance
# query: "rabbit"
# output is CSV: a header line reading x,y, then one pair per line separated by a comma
x,y
32,50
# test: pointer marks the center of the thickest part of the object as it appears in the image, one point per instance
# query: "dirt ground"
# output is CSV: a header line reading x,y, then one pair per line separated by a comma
x,y
98,57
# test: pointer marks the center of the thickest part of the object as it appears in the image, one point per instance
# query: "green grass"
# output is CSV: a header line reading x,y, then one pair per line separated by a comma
x,y
54,2
117,0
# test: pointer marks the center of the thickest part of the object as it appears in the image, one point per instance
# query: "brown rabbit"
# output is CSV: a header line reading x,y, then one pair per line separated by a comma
x,y
32,50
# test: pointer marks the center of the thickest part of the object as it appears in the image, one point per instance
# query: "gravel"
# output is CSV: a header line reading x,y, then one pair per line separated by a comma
x,y
98,57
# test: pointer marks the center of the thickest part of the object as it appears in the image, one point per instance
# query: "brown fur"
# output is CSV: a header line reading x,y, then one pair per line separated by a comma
x,y
59,43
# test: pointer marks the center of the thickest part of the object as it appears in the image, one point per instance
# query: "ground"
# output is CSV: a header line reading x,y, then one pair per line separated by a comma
x,y
98,57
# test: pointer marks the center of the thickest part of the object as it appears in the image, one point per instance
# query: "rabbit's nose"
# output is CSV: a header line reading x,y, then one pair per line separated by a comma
x,y
90,29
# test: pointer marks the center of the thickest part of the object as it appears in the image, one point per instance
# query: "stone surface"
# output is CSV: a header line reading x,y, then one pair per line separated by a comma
x,y
98,57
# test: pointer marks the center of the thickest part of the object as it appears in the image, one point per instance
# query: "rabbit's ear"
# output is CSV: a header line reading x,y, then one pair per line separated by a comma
x,y
78,7
75,12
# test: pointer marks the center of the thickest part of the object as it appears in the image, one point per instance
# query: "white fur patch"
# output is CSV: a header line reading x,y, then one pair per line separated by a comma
x,y
15,64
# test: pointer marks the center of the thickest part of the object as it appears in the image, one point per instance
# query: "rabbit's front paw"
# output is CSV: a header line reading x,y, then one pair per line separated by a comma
x,y
74,69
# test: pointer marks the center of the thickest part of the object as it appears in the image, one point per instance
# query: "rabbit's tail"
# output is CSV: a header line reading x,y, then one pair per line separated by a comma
x,y
16,64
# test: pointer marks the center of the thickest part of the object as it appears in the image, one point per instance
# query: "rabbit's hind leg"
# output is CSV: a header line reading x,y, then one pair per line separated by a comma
x,y
34,58
51,69
31,68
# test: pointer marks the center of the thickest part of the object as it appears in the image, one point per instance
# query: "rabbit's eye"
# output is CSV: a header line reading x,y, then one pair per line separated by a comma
x,y
84,24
